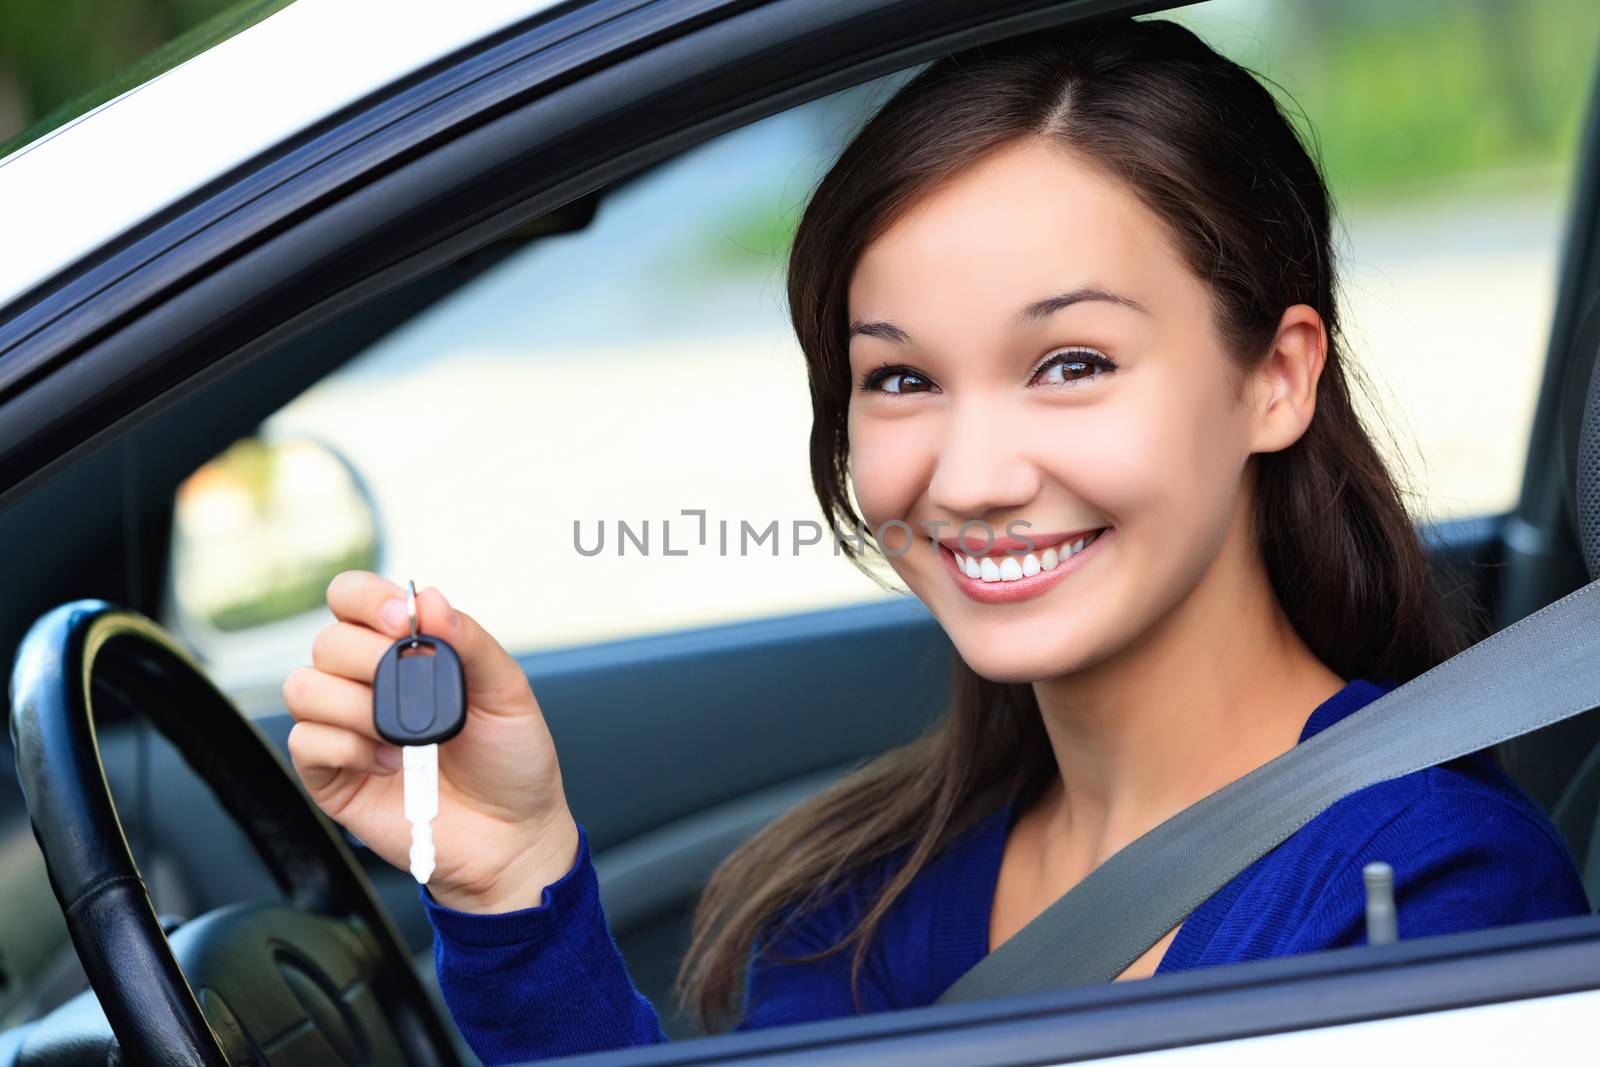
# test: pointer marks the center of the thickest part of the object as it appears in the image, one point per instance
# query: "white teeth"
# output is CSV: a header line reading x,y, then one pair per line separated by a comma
x,y
1009,568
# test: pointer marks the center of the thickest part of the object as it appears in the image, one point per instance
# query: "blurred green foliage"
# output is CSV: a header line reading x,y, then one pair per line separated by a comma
x,y
61,58
1406,98
1397,100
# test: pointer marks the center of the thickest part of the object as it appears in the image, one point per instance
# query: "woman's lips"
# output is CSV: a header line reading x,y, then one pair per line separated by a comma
x,y
1003,592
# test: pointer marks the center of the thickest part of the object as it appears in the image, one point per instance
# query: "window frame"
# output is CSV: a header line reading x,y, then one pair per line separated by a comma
x,y
1240,1001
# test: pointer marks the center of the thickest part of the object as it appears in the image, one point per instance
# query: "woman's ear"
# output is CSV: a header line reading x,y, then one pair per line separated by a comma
x,y
1284,386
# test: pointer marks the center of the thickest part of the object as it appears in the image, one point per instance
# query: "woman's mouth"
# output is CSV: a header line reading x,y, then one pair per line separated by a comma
x,y
1005,577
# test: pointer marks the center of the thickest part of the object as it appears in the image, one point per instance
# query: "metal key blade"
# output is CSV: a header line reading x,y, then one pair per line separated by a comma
x,y
420,780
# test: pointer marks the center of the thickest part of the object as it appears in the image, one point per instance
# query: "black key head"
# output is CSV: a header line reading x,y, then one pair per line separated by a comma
x,y
417,698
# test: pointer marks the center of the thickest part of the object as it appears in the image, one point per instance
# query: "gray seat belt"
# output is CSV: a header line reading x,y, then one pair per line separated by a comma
x,y
1535,672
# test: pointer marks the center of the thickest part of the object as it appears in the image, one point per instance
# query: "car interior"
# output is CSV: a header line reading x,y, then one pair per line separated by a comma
x,y
675,746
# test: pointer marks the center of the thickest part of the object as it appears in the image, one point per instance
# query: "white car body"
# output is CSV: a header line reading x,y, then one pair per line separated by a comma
x,y
185,127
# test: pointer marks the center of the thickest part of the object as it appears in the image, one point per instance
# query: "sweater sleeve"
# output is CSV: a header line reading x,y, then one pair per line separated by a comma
x,y
549,980
540,982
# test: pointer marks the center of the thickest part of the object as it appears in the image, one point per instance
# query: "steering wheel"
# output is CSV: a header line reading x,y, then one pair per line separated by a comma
x,y
322,979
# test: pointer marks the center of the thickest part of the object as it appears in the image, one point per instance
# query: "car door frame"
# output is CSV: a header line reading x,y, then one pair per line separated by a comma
x,y
497,134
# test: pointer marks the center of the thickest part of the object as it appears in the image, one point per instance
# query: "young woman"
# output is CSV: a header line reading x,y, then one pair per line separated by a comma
x,y
1075,290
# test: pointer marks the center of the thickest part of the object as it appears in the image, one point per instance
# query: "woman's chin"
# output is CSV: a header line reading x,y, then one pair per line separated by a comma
x,y
1010,664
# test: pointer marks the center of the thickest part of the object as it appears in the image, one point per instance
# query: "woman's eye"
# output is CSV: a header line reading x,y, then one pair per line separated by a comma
x,y
1071,366
892,379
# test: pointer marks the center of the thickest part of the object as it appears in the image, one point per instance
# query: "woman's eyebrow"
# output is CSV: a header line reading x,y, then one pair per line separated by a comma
x,y
1041,309
1033,313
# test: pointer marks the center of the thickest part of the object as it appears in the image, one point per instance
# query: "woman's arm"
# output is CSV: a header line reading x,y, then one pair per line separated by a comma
x,y
541,982
549,981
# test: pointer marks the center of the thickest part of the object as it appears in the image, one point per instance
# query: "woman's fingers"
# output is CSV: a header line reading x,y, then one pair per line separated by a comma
x,y
312,695
495,683
359,597
348,650
320,751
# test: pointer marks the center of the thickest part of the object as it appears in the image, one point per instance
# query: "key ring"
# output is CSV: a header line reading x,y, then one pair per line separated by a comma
x,y
411,609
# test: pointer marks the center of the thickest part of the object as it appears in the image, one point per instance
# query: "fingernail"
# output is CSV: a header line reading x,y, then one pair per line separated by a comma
x,y
389,756
393,615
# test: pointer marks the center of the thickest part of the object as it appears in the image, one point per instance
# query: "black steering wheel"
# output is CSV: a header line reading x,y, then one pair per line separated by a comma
x,y
322,979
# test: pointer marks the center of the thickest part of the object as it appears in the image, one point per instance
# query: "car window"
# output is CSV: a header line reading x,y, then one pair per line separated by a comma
x,y
1449,135
605,434
602,436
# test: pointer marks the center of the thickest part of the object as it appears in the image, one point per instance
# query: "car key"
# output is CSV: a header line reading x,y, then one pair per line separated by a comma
x,y
419,700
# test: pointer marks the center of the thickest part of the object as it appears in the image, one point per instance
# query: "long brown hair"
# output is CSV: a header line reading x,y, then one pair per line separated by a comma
x,y
1205,146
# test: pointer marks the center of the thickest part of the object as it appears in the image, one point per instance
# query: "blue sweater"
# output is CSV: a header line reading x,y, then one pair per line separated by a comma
x,y
1468,847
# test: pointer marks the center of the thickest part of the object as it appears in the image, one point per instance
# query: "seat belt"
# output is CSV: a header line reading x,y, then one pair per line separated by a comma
x,y
1538,671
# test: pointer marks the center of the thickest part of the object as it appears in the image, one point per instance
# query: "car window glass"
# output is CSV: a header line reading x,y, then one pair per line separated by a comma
x,y
638,380
1449,136
602,436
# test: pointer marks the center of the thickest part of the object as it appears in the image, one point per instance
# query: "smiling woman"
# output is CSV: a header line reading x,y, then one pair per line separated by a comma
x,y
1077,287
1240,571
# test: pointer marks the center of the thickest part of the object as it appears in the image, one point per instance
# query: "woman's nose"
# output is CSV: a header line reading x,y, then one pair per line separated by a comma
x,y
981,466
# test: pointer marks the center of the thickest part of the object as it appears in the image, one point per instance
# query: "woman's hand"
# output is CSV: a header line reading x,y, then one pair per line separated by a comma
x,y
503,832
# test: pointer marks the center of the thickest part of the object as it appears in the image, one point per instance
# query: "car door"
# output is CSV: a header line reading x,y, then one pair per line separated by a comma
x,y
679,732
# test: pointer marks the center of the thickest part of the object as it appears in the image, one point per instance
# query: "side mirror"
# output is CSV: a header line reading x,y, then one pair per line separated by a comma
x,y
258,533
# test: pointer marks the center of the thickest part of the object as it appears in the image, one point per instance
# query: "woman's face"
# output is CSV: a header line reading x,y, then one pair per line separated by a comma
x,y
1035,352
